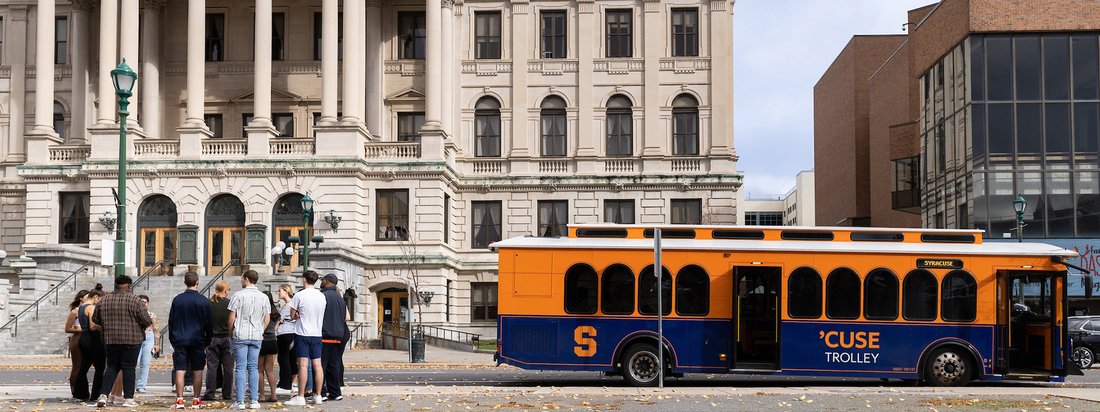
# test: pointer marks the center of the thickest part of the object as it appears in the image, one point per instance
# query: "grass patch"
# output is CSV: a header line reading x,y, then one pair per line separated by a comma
x,y
490,344
985,403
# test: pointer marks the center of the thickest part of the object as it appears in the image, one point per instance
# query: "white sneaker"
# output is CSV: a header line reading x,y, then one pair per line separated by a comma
x,y
129,403
254,405
101,402
188,389
114,400
296,401
281,391
317,400
240,406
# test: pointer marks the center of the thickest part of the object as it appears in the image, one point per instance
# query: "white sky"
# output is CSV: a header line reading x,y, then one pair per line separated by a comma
x,y
781,49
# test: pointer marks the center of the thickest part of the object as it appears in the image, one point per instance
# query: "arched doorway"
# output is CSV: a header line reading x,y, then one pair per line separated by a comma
x,y
156,221
393,310
224,234
287,219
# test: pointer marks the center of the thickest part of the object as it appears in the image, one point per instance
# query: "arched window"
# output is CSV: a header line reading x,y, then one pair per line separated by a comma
x,y
842,294
620,126
685,126
647,291
880,301
959,302
692,291
553,126
918,296
617,290
804,294
581,290
59,119
487,127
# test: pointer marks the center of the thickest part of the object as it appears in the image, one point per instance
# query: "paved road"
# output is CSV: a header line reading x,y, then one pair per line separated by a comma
x,y
511,377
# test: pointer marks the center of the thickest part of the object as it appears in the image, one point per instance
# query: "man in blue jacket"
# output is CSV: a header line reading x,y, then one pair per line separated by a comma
x,y
190,330
333,330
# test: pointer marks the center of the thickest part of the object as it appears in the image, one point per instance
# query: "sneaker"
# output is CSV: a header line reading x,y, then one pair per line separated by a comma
x,y
296,401
114,400
240,406
281,391
101,402
179,404
188,388
317,400
129,403
337,398
254,405
197,404
141,390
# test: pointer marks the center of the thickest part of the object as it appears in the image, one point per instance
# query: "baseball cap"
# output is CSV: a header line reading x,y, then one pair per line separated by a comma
x,y
331,278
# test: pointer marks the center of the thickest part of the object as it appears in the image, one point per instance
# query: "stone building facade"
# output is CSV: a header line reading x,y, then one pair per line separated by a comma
x,y
429,129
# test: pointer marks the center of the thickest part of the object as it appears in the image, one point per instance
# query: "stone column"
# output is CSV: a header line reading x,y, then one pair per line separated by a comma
x,y
17,57
108,40
150,68
42,135
44,67
260,131
721,90
374,104
330,70
448,69
81,44
433,76
653,136
353,59
588,138
521,35
128,50
194,129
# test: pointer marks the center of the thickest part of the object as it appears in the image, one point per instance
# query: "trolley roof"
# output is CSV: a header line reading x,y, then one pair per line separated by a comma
x,y
776,239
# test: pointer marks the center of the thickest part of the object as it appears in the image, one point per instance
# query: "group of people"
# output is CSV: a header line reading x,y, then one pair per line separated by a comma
x,y
235,338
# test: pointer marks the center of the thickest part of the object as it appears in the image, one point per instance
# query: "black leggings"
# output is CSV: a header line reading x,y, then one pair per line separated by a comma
x,y
288,363
92,353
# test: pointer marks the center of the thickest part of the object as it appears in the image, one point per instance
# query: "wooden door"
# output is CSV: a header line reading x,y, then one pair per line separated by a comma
x,y
393,310
224,247
158,244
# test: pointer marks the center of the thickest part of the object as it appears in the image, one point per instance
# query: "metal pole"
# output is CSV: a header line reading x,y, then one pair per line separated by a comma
x,y
657,267
306,238
1019,226
120,229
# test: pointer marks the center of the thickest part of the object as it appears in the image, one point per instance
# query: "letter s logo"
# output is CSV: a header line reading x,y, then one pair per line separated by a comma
x,y
586,342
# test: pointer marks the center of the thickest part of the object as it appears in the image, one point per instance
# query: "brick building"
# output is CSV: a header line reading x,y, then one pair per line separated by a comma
x,y
982,101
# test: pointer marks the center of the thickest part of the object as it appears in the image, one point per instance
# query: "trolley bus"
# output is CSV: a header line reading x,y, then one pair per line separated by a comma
x,y
935,306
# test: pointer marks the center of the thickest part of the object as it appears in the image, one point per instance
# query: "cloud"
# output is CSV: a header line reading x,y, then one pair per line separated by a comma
x,y
781,49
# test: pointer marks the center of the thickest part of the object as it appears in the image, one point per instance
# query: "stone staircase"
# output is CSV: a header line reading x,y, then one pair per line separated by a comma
x,y
46,335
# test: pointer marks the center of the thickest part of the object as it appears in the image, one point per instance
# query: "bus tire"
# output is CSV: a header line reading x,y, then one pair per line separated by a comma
x,y
949,366
640,365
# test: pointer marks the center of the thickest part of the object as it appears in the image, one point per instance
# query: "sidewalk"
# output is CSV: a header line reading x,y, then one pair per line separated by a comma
x,y
353,359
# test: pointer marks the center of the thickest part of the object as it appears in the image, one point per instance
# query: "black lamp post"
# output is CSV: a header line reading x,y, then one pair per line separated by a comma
x,y
307,215
1020,204
124,79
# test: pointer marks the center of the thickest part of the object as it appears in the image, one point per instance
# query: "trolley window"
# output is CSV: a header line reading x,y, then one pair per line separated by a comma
x,y
692,291
647,291
881,295
918,300
804,294
617,290
959,302
581,283
842,294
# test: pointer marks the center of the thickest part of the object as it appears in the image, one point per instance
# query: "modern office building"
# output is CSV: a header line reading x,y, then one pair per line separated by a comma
x,y
423,132
793,208
984,101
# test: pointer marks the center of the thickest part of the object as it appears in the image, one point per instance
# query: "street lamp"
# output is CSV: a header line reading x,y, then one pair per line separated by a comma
x,y
307,215
124,79
1020,204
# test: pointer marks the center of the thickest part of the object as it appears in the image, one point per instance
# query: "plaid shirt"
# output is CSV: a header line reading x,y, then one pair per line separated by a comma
x,y
122,317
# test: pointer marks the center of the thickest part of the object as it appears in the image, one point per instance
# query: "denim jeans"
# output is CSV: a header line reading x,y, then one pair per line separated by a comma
x,y
247,354
144,359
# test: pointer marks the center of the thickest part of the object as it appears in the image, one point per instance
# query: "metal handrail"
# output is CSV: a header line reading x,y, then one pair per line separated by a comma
x,y
145,276
433,332
13,323
355,332
205,289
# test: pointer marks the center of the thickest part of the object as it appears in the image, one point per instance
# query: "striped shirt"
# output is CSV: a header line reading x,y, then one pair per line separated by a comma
x,y
251,307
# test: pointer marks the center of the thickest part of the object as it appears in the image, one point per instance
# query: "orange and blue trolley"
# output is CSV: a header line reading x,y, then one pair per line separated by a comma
x,y
930,305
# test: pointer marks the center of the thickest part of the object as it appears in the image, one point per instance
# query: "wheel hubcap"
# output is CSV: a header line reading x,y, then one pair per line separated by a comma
x,y
949,367
1084,357
643,366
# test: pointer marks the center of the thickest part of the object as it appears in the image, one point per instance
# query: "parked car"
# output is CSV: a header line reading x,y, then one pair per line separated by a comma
x,y
1085,333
